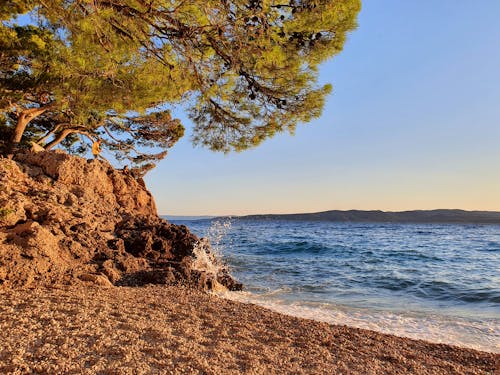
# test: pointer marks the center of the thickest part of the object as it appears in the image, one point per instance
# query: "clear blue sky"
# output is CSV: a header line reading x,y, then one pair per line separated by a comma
x,y
413,123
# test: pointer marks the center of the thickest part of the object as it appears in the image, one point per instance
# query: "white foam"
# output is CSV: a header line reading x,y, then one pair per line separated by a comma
x,y
477,334
207,251
204,260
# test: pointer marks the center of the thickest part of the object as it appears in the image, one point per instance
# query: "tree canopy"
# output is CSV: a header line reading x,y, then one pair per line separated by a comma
x,y
77,70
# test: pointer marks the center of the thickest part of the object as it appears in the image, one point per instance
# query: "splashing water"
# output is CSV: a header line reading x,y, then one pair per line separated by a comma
x,y
204,259
217,233
208,251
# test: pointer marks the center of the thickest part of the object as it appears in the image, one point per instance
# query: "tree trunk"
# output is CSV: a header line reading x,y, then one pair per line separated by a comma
x,y
22,122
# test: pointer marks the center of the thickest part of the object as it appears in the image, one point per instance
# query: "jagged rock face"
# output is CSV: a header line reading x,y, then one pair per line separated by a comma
x,y
64,219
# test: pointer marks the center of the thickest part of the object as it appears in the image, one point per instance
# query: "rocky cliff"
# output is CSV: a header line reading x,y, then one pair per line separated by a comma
x,y
64,219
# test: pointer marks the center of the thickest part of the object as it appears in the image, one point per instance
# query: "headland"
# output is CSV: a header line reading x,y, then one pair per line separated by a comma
x,y
93,281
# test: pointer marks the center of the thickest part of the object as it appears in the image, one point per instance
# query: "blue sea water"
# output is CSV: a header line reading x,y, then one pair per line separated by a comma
x,y
435,282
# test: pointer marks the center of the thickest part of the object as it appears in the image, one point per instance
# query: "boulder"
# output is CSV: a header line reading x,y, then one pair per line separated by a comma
x,y
65,219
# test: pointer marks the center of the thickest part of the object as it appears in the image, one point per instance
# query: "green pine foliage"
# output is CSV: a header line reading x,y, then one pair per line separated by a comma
x,y
244,70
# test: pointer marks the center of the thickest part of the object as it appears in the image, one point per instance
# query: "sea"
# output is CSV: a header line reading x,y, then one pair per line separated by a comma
x,y
436,282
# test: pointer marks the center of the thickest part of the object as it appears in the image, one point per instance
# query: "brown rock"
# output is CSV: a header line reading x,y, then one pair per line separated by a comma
x,y
100,279
64,219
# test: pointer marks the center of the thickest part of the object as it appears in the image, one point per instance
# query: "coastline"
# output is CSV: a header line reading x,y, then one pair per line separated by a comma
x,y
167,329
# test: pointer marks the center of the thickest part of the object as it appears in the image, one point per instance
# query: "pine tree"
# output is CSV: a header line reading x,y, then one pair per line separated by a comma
x,y
244,70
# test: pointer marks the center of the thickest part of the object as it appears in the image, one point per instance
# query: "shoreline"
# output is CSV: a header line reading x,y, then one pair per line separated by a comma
x,y
164,329
417,325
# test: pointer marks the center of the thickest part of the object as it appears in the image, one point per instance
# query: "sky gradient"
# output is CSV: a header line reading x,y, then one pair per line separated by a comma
x,y
413,123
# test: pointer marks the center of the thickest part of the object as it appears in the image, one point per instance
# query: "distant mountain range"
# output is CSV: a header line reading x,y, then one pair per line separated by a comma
x,y
420,216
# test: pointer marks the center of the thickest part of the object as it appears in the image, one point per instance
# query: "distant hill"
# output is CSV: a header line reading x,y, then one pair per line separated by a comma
x,y
420,216
182,217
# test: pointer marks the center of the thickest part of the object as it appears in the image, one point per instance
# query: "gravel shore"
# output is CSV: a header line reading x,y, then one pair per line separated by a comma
x,y
172,330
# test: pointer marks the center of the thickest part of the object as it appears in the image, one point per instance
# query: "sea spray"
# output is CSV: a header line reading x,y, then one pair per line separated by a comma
x,y
208,251
205,259
217,234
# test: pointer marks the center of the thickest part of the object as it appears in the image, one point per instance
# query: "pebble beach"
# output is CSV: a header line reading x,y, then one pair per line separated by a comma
x,y
85,329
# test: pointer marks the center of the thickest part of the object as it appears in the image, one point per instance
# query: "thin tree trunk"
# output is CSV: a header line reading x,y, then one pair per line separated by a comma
x,y
59,138
41,141
62,135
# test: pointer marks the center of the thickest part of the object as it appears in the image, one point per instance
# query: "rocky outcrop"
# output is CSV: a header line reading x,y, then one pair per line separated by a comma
x,y
64,219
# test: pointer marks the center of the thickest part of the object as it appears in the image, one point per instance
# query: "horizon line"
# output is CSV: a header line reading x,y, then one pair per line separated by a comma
x,y
316,212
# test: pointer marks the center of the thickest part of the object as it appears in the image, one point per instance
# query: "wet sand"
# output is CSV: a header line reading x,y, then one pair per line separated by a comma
x,y
171,330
